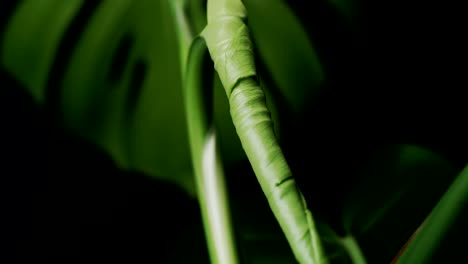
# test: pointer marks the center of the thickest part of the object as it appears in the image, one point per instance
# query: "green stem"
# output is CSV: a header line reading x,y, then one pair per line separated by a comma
x,y
206,160
231,50
211,187
184,34
354,251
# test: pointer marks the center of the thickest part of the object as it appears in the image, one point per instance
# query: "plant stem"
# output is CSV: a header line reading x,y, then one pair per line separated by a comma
x,y
222,243
184,34
212,191
208,169
354,251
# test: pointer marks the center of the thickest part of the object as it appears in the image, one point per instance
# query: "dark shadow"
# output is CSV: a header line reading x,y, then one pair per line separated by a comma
x,y
7,9
120,59
63,54
385,84
139,71
63,200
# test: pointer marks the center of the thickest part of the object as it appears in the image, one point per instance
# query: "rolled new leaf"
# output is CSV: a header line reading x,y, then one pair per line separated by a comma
x,y
231,49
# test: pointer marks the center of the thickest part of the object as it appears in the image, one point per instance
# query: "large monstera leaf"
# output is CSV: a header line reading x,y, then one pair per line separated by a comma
x,y
115,79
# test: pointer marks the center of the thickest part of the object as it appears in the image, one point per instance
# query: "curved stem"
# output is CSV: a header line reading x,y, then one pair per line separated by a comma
x,y
184,34
211,188
212,191
354,251
231,50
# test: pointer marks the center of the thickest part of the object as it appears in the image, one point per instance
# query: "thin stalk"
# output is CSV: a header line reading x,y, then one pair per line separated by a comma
x,y
231,50
222,244
354,251
210,179
206,160
184,35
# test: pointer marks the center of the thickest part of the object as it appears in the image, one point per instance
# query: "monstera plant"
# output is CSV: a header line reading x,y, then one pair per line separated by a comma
x,y
251,131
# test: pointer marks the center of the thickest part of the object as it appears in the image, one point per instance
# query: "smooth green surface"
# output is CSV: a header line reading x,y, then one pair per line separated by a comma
x,y
160,140
143,138
183,28
212,192
206,160
354,251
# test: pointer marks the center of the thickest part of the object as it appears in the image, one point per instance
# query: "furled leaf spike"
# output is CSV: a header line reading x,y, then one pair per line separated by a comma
x,y
228,40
